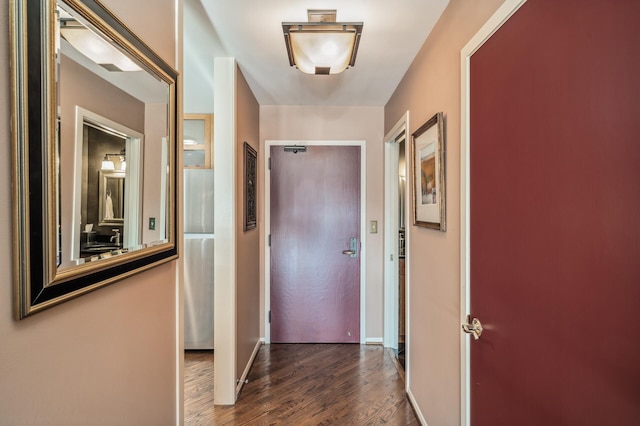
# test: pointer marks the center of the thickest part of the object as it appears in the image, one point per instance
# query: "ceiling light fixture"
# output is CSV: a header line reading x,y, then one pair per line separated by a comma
x,y
322,45
96,48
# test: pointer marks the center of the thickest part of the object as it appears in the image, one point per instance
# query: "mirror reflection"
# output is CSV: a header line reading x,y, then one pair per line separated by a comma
x,y
94,147
113,150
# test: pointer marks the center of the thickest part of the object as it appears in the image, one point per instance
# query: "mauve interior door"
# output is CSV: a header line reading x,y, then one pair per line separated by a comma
x,y
315,212
555,208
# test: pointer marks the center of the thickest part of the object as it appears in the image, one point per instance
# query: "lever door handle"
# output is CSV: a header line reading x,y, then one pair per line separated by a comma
x,y
475,328
353,248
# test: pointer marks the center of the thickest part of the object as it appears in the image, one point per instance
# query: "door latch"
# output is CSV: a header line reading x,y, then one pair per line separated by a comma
x,y
475,328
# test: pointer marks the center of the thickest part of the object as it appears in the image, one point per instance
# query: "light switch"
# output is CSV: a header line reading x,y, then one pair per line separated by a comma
x,y
373,227
152,223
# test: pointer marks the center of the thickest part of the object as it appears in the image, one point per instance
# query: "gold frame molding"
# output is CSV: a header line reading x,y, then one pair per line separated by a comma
x,y
38,282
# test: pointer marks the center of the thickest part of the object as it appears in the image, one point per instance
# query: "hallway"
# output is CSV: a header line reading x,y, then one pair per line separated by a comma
x,y
304,384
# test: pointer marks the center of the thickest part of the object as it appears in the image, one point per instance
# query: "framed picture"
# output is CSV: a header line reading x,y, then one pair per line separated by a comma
x,y
428,162
250,186
111,198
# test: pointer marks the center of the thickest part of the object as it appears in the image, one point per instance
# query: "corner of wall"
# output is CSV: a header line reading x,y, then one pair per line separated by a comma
x,y
225,319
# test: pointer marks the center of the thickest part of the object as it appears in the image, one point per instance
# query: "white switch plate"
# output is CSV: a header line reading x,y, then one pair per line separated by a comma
x,y
373,227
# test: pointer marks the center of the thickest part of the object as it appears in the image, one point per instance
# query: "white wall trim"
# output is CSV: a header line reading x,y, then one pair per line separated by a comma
x,y
407,261
225,224
164,162
179,238
363,225
374,341
390,309
391,259
391,218
242,380
508,8
416,408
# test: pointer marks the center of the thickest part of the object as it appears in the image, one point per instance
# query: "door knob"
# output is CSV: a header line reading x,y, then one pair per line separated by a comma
x,y
475,328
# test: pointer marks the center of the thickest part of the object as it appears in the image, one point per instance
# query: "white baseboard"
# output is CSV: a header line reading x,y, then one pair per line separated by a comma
x,y
414,404
373,341
245,373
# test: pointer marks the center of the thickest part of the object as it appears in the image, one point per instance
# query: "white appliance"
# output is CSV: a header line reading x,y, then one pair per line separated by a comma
x,y
198,259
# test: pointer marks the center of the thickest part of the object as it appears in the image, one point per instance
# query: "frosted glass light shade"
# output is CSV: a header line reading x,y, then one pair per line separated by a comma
x,y
108,164
322,47
97,49
313,49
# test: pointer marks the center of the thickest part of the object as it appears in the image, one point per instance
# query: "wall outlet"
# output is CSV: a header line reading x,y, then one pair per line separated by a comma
x,y
152,223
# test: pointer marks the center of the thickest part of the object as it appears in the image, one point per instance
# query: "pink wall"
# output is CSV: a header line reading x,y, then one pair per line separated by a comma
x,y
155,129
247,243
432,84
340,123
108,357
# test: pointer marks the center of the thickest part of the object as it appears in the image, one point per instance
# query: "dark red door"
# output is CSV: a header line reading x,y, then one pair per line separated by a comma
x,y
555,216
315,212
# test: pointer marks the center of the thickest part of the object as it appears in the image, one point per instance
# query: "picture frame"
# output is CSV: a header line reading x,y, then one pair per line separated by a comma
x,y
428,161
111,186
250,187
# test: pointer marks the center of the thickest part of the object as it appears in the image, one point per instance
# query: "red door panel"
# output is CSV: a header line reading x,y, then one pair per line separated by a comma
x,y
315,211
555,216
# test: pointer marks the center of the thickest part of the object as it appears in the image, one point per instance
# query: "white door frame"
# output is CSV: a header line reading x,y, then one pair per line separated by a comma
x,y
267,225
508,8
133,178
391,219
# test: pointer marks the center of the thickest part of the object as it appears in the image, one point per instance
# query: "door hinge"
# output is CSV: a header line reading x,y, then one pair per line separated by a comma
x,y
269,317
269,164
269,240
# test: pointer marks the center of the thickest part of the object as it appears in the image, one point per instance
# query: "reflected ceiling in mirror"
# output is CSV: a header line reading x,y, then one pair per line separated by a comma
x,y
88,94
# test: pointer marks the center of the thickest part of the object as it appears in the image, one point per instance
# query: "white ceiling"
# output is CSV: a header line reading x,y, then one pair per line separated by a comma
x,y
251,31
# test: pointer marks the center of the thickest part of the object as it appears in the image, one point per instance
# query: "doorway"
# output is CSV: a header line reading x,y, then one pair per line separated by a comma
x,y
402,251
107,204
312,269
396,283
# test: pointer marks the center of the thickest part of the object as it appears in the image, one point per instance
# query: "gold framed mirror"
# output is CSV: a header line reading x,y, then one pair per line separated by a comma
x,y
94,152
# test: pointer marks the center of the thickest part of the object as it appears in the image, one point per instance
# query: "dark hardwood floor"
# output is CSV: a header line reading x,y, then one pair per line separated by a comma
x,y
198,387
304,384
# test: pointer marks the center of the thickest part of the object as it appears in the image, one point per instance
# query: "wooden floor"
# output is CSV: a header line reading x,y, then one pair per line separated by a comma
x,y
304,384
